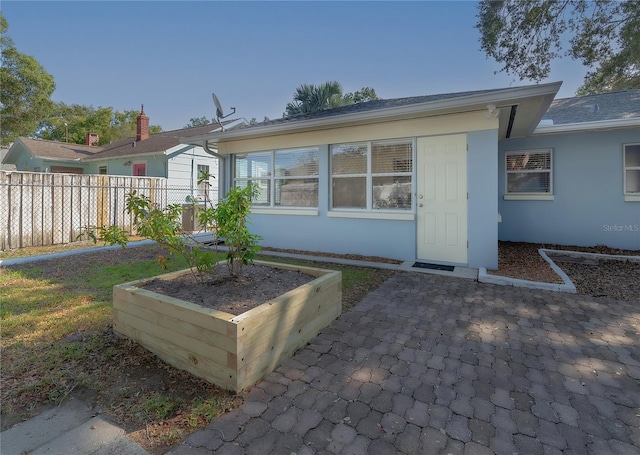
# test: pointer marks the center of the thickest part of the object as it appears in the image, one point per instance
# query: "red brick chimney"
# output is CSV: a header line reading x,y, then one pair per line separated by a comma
x,y
142,132
92,139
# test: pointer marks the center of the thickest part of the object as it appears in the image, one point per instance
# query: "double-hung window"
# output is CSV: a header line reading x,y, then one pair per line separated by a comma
x,y
372,175
529,173
203,181
632,172
285,178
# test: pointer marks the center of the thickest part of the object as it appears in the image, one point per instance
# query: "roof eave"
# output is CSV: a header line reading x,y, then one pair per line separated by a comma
x,y
588,126
128,156
430,108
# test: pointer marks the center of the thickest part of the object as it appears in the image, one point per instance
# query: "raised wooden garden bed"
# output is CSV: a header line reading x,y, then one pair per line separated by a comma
x,y
233,352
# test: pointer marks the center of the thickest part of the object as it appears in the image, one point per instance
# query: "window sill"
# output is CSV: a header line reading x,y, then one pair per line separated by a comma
x,y
284,211
632,197
528,197
407,216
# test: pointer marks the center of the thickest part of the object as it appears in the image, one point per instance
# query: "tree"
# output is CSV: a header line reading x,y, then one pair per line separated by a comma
x,y
525,36
309,98
202,121
74,121
361,96
25,90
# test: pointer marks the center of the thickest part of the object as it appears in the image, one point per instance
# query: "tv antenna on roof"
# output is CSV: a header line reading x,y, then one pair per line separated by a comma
x,y
219,112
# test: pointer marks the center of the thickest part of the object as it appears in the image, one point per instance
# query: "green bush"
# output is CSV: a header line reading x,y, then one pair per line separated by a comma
x,y
227,221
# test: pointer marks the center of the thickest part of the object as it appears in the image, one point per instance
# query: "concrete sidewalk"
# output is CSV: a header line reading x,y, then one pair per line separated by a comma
x,y
69,429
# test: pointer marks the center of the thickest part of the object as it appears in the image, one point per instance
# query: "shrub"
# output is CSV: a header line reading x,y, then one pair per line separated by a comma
x,y
227,221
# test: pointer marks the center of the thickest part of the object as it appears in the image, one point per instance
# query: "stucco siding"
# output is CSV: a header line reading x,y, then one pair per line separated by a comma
x,y
482,207
393,238
588,206
387,238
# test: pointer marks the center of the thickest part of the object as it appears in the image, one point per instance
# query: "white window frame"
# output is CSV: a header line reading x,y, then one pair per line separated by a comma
x,y
369,211
531,196
628,197
272,208
202,189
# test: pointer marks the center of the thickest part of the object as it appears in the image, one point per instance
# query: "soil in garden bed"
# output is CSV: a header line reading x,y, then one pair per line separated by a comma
x,y
258,284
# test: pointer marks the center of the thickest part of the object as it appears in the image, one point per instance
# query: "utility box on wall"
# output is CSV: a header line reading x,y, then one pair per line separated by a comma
x,y
189,217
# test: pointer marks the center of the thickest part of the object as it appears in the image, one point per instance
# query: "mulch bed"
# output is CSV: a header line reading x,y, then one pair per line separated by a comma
x,y
355,257
617,279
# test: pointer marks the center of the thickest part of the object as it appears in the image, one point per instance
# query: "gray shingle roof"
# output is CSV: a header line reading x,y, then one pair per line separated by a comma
x,y
371,106
59,150
592,108
156,143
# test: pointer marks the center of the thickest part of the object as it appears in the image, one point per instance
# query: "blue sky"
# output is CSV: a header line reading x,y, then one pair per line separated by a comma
x,y
170,56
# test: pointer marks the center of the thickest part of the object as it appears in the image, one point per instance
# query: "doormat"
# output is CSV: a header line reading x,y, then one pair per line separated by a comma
x,y
426,265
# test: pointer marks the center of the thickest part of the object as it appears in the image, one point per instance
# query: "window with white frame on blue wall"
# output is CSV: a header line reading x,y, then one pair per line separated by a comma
x,y
285,178
528,174
369,176
631,179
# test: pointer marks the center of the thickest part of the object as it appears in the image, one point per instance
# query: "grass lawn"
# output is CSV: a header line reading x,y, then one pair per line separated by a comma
x,y
57,342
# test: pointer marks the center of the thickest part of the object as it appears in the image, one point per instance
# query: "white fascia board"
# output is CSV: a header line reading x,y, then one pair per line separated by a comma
x,y
53,158
432,108
587,126
14,150
178,149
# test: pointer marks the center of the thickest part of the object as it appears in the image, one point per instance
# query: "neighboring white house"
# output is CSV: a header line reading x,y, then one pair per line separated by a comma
x,y
441,178
156,155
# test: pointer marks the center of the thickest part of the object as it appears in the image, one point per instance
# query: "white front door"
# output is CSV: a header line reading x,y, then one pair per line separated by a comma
x,y
442,198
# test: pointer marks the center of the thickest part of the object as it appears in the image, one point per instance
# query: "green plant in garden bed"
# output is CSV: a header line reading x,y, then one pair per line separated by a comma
x,y
227,220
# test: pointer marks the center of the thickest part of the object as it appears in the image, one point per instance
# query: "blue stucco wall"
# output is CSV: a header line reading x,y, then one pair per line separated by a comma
x,y
156,165
482,206
588,207
387,238
392,238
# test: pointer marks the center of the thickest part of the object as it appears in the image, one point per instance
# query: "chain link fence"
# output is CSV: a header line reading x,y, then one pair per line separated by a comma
x,y
38,209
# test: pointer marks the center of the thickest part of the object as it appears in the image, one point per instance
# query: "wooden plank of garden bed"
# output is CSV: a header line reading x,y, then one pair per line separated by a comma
x,y
269,333
197,349
257,364
217,321
181,358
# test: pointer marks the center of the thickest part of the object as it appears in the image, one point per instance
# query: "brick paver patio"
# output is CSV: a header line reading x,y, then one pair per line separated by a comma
x,y
429,364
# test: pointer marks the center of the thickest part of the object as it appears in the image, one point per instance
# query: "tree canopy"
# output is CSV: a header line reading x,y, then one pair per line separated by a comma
x,y
198,121
25,90
309,98
109,124
525,36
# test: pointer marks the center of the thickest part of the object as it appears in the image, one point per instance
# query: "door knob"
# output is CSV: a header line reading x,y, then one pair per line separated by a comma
x,y
420,204
420,196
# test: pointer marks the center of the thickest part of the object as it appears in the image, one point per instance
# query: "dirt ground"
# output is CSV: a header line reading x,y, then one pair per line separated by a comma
x,y
257,285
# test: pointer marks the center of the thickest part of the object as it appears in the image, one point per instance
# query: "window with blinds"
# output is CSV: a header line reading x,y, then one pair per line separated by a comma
x,y
372,175
632,169
528,172
292,183
203,181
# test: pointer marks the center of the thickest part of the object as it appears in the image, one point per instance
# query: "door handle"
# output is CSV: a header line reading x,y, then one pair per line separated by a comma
x,y
420,204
